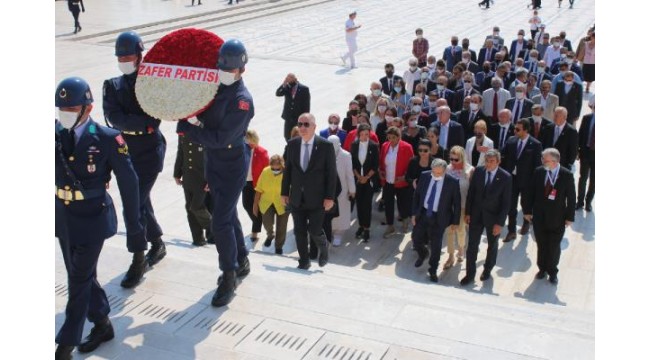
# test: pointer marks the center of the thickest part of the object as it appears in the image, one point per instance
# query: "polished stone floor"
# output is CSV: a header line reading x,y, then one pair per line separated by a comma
x,y
369,302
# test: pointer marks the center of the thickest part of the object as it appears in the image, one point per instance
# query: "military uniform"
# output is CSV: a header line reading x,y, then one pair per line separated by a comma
x,y
224,126
189,168
146,143
85,216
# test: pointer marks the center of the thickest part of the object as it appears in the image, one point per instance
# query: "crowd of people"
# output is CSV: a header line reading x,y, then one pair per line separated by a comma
x,y
456,144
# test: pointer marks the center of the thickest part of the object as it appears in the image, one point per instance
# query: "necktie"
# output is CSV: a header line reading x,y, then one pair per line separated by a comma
x,y
539,79
515,113
305,158
536,129
489,179
69,142
293,91
431,199
495,105
443,136
534,68
390,84
502,137
471,117
519,147
548,187
557,134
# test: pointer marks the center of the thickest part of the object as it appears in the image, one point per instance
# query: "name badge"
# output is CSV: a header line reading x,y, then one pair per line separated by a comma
x,y
552,195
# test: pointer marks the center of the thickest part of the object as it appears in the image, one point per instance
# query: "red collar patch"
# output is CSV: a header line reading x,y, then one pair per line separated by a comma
x,y
244,105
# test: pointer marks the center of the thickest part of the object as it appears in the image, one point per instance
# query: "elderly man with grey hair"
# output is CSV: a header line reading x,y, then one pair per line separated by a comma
x,y
486,208
436,205
451,132
519,105
551,207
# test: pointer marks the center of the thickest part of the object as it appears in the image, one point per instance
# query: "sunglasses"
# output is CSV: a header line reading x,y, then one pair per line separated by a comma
x,y
423,150
467,82
518,130
333,122
454,159
303,124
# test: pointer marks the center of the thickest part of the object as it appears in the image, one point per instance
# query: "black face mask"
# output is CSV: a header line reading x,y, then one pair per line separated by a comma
x,y
530,46
353,113
465,45
478,135
486,69
454,42
292,83
389,73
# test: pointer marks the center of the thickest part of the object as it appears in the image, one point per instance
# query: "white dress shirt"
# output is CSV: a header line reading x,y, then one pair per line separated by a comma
x,y
391,163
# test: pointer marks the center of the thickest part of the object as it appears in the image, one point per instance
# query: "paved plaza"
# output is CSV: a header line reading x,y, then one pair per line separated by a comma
x,y
369,302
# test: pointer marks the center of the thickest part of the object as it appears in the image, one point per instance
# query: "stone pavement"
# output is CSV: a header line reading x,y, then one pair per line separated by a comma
x,y
369,302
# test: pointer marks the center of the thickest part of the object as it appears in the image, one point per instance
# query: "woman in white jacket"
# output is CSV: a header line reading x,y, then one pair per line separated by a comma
x,y
348,188
478,145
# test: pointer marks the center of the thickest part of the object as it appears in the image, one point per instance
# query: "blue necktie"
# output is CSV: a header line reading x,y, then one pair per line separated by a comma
x,y
521,145
432,198
305,158
489,179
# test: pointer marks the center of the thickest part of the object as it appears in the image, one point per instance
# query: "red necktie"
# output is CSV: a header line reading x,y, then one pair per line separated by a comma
x,y
293,91
548,187
536,130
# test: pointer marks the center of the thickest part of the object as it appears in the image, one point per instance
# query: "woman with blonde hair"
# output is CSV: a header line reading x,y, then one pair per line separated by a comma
x,y
462,171
259,159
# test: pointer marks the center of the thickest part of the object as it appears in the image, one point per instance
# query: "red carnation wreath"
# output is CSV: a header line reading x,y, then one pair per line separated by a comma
x,y
177,78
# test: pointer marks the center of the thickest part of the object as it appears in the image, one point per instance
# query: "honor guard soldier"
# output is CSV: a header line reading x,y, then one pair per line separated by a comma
x,y
188,172
146,143
85,155
221,129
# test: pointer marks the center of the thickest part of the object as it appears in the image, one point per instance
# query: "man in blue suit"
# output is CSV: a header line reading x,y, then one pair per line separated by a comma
x,y
436,205
86,153
452,53
486,208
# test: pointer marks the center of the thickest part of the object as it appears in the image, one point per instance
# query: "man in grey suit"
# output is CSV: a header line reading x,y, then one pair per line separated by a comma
x,y
436,205
548,100
486,208
309,186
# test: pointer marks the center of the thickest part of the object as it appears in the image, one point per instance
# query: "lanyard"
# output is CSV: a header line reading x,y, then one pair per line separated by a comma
x,y
552,179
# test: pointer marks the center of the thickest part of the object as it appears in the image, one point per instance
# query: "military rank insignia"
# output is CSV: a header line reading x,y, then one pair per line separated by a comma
x,y
123,148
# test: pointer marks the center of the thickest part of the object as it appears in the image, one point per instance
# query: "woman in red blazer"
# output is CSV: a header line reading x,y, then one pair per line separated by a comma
x,y
259,160
393,164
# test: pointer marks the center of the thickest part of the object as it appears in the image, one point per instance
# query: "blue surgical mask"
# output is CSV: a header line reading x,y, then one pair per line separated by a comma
x,y
397,89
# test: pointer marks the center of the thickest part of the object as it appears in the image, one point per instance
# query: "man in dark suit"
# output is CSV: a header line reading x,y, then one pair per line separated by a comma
x,y
564,42
569,95
538,122
501,131
532,63
467,118
518,45
425,81
309,187
562,136
465,46
486,207
472,66
487,53
587,152
467,90
521,156
519,105
551,207
436,205
451,132
443,91
388,81
297,100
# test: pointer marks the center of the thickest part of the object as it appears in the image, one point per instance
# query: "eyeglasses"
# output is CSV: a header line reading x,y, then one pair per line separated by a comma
x,y
333,123
518,129
423,150
454,159
303,124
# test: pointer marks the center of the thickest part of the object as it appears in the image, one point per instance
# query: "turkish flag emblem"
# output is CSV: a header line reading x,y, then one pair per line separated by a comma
x,y
244,105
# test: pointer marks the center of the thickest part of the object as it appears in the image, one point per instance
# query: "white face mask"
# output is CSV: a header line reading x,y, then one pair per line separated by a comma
x,y
413,123
473,106
556,44
520,37
226,78
381,108
533,59
413,68
506,125
547,168
467,86
440,87
333,127
67,118
376,92
537,118
541,69
496,33
466,60
418,94
569,61
519,95
127,68
277,172
424,76
436,178
416,109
